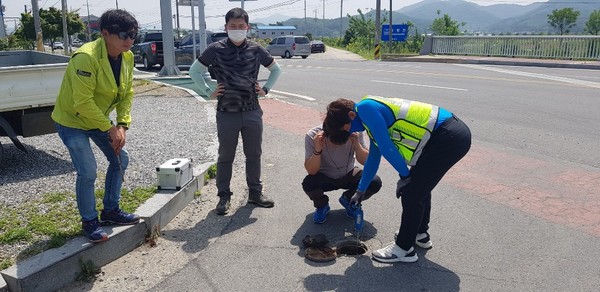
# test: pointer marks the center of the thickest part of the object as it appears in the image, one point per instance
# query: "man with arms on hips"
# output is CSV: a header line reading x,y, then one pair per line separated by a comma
x,y
236,62
98,80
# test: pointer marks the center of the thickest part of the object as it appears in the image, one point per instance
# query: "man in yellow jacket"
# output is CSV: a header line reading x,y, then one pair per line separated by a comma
x,y
99,80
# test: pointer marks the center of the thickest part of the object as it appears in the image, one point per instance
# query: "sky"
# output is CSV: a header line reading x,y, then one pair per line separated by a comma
x,y
147,12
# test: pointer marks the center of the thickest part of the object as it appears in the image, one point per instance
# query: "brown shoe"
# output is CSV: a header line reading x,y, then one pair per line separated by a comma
x,y
260,200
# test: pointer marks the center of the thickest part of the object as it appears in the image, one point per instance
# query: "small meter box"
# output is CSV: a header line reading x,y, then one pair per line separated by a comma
x,y
174,173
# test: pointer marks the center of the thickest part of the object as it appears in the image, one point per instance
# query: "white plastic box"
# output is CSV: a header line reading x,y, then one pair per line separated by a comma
x,y
174,173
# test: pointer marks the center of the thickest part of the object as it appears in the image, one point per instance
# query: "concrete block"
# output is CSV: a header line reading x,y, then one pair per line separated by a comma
x,y
54,268
159,210
3,286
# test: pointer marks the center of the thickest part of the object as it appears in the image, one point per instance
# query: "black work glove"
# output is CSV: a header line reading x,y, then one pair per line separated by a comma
x,y
402,183
357,198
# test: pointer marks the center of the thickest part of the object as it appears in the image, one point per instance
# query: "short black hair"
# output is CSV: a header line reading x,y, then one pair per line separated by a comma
x,y
117,20
337,116
236,13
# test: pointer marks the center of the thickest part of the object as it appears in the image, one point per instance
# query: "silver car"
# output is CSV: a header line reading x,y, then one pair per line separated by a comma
x,y
289,46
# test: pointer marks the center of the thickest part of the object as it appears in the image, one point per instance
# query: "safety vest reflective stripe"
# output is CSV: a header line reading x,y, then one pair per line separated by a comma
x,y
415,121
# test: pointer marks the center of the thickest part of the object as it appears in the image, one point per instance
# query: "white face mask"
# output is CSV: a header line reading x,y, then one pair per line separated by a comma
x,y
237,36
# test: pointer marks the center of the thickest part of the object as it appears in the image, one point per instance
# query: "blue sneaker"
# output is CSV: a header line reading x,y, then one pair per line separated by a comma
x,y
320,214
350,212
93,231
119,217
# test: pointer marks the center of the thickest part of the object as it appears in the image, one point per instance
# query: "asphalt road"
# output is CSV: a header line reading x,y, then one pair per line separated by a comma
x,y
520,212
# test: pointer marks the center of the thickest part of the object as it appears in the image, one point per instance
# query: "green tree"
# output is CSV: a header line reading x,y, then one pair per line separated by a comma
x,y
563,19
360,30
445,25
51,24
592,26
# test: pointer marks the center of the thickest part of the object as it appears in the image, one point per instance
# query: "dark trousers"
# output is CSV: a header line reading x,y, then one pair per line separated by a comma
x,y
229,126
316,185
447,145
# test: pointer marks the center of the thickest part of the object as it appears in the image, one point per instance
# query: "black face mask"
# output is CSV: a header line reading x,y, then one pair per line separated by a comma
x,y
339,137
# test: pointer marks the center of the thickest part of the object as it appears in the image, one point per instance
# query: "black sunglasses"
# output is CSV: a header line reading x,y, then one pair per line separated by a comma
x,y
124,34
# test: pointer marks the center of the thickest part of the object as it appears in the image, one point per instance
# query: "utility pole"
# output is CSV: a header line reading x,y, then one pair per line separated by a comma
x,y
323,10
377,29
193,30
3,28
89,36
66,42
169,68
342,18
202,25
177,12
242,4
117,3
37,24
304,16
391,42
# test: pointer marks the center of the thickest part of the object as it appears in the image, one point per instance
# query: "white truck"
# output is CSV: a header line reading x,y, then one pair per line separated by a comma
x,y
29,84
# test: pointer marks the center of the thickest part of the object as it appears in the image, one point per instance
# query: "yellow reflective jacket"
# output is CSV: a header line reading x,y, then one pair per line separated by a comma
x,y
89,92
412,128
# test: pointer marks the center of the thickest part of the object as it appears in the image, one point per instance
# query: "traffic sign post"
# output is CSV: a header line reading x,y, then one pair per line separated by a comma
x,y
399,32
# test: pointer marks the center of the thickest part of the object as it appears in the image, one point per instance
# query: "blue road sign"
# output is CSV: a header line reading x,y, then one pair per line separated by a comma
x,y
399,32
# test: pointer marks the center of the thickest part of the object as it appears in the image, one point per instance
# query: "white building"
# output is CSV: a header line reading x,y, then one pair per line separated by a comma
x,y
272,31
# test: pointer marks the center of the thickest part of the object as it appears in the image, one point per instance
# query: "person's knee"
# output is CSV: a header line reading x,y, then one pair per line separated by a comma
x,y
375,184
310,183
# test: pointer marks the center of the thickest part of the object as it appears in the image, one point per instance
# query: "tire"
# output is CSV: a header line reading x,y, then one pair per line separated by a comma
x,y
304,57
1,153
288,55
147,65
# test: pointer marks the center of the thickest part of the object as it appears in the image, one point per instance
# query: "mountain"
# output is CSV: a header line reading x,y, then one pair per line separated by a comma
x,y
536,20
497,19
271,19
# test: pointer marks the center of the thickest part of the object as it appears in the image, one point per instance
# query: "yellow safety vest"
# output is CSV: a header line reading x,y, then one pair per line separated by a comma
x,y
412,129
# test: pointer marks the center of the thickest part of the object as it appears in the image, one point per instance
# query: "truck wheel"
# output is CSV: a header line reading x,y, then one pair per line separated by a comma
x,y
147,65
304,57
288,55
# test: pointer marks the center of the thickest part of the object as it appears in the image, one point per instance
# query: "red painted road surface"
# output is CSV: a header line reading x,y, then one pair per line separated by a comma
x,y
556,192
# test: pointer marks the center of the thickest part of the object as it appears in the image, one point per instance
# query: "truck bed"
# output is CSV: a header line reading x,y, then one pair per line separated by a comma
x,y
29,79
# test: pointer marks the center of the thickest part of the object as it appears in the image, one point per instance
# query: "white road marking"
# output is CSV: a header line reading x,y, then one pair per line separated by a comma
x,y
535,75
293,95
420,85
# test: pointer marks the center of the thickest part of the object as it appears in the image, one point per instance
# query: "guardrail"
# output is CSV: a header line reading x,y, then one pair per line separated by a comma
x,y
549,47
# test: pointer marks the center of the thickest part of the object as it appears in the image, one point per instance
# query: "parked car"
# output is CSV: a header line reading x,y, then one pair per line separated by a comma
x,y
184,50
57,45
289,46
148,49
317,47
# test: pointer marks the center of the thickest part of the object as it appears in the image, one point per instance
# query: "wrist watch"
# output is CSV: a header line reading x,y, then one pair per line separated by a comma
x,y
266,90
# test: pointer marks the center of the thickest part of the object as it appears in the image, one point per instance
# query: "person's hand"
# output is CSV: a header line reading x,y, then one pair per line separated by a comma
x,y
259,90
319,141
354,139
122,131
218,91
401,185
116,139
357,198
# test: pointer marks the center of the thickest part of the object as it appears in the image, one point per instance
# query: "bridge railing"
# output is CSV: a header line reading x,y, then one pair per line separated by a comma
x,y
549,47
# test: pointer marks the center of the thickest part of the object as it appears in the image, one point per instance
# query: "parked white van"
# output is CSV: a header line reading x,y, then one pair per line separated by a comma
x,y
289,46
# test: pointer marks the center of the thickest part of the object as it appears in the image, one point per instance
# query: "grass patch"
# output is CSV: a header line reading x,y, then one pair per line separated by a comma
x,y
50,221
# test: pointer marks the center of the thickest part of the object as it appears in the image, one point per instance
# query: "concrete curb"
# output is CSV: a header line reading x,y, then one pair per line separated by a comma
x,y
55,268
505,61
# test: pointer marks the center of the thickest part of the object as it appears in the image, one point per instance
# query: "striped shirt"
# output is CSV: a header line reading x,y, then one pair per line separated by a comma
x,y
237,69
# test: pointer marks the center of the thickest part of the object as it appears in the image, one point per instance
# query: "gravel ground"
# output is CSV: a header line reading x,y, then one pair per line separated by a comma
x,y
167,123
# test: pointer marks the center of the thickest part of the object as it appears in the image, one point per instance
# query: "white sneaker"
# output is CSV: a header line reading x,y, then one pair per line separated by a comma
x,y
393,253
423,241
